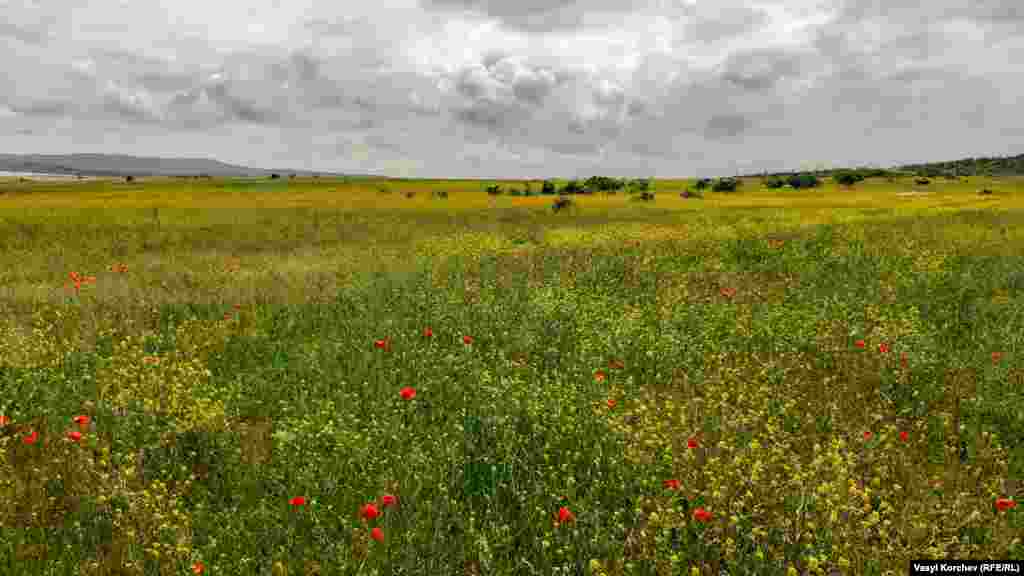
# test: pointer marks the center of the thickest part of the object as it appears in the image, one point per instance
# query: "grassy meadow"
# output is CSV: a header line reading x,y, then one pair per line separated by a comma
x,y
317,376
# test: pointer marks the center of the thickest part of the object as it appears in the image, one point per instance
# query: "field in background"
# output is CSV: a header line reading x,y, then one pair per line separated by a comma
x,y
764,381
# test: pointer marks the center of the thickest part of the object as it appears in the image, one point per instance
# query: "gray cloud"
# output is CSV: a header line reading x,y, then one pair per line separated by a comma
x,y
726,126
541,88
535,15
760,70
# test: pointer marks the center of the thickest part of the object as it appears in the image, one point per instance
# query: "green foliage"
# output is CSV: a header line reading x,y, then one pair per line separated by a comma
x,y
726,185
547,188
804,181
572,187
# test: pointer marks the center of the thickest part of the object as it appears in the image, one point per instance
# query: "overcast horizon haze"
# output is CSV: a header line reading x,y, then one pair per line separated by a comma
x,y
528,89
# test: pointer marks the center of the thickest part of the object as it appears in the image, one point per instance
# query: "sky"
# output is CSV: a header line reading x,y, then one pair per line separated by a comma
x,y
516,89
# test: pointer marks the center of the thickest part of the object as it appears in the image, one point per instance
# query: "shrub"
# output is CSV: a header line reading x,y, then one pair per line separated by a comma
x,y
774,182
848,178
440,193
640,184
129,178
572,187
275,176
547,188
984,192
410,194
725,185
494,190
703,183
644,196
803,181
562,202
922,181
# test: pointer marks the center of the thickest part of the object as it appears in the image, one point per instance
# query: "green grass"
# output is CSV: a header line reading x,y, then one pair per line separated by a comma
x,y
231,366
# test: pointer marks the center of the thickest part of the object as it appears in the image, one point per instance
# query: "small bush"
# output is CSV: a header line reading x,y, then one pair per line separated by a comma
x,y
799,181
848,178
547,188
129,179
410,194
725,185
644,196
922,181
774,182
494,190
572,187
703,183
440,193
984,192
561,203
275,176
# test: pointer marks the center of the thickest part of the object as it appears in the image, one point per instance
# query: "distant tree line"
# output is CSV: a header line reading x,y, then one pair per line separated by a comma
x,y
591,185
997,166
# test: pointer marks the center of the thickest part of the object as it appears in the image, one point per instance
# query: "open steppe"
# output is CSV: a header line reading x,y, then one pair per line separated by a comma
x,y
321,376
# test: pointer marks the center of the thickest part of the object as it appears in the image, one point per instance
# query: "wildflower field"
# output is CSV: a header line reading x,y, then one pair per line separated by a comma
x,y
322,376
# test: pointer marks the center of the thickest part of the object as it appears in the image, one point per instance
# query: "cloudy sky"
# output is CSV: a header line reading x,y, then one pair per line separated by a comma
x,y
516,88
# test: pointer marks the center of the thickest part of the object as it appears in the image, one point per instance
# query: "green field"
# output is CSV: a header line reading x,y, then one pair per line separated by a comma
x,y
769,382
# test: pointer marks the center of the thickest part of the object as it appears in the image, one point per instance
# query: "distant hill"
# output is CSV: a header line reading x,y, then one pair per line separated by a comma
x,y
118,165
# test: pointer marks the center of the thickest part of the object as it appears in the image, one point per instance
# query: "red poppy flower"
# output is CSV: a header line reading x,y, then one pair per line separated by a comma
x,y
859,344
883,348
382,344
82,420
996,356
4,420
672,484
377,534
227,315
903,359
616,365
370,511
298,501
75,435
408,392
387,500
31,438
612,402
564,515
701,515
728,292
467,340
904,436
198,568
867,435
600,375
427,332
692,442
237,306
1004,504
151,359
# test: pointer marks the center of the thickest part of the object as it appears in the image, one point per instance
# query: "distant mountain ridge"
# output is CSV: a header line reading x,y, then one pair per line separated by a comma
x,y
121,165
